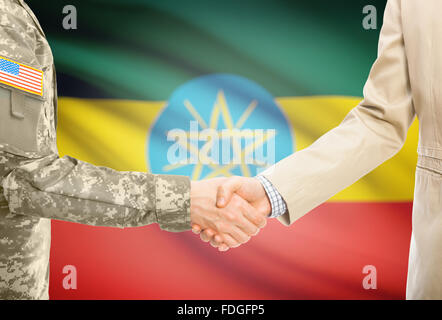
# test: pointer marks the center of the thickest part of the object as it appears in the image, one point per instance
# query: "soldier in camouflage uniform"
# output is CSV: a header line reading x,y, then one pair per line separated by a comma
x,y
36,185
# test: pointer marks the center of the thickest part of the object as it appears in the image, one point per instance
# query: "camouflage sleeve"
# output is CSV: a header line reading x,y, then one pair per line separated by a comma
x,y
37,182
72,190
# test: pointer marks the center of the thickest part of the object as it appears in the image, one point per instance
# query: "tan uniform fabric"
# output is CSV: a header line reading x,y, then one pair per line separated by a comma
x,y
36,185
405,80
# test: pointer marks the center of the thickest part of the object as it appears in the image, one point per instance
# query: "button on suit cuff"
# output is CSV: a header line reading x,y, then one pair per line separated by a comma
x,y
173,202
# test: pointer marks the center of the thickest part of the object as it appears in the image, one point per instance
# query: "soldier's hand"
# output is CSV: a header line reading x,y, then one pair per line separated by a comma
x,y
249,189
232,225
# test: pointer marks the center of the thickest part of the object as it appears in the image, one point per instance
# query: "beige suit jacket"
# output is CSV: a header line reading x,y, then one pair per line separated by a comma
x,y
405,80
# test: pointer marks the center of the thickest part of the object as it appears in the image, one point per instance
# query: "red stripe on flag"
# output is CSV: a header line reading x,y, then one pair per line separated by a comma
x,y
30,74
30,71
321,256
33,80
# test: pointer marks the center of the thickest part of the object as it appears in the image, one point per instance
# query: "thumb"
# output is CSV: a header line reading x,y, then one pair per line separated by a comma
x,y
226,190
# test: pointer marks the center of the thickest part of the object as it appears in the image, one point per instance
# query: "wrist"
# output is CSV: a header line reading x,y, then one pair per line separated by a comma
x,y
264,205
193,191
267,206
275,203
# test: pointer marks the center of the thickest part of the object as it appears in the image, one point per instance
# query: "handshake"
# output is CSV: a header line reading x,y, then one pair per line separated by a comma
x,y
227,212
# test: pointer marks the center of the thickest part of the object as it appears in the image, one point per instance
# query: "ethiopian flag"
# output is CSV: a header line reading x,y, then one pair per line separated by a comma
x,y
133,71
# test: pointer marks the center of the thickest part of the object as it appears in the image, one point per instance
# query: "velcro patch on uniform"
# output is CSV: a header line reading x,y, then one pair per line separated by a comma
x,y
20,76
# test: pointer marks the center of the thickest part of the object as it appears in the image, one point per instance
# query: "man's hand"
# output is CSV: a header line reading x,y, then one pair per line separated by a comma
x,y
249,189
234,223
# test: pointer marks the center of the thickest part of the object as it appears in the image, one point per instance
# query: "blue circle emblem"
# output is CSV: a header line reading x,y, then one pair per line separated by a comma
x,y
218,125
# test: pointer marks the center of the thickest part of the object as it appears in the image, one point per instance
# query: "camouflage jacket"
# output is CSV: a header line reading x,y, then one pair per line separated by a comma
x,y
36,185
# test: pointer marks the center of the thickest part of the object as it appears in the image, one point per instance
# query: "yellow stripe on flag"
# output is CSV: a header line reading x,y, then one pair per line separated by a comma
x,y
113,133
109,133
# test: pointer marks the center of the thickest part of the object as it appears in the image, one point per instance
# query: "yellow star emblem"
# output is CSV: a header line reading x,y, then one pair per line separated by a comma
x,y
220,108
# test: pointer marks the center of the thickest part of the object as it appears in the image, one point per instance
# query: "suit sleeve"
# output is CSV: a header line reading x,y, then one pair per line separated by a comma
x,y
370,134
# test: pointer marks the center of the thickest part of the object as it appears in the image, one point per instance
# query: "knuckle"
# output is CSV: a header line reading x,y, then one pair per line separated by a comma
x,y
230,242
255,221
245,239
264,223
236,245
254,231
220,225
231,216
222,190
258,221
237,219
241,238
243,208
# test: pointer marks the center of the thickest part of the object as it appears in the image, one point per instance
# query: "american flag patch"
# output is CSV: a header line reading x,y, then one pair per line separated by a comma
x,y
21,76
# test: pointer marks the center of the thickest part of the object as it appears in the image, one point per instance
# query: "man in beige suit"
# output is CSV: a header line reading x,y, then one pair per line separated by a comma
x,y
405,80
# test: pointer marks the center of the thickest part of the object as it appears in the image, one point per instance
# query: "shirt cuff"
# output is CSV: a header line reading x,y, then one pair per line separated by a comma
x,y
279,207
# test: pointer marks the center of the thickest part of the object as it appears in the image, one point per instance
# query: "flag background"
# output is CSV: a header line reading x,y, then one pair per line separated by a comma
x,y
115,74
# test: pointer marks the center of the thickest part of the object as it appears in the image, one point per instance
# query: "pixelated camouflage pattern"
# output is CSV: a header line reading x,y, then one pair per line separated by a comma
x,y
38,186
169,196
